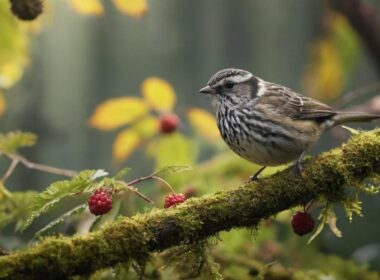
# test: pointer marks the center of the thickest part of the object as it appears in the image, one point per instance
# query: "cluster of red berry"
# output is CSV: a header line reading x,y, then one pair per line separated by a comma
x,y
100,202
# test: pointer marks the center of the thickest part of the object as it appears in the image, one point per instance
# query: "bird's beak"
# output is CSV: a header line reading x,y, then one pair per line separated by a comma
x,y
207,90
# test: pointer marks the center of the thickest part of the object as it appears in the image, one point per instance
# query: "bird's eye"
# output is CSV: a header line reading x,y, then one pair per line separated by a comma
x,y
229,85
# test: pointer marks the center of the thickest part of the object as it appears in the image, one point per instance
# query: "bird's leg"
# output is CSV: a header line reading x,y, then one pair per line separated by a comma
x,y
255,176
297,169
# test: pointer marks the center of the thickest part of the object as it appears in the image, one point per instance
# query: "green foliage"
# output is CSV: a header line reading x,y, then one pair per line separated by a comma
x,y
83,182
73,212
14,209
162,150
173,169
12,141
119,175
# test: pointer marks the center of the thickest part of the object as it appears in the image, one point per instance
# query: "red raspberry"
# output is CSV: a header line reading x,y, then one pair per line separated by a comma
x,y
302,223
100,202
174,199
168,123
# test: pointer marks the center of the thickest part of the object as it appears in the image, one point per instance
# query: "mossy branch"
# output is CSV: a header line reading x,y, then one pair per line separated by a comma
x,y
134,238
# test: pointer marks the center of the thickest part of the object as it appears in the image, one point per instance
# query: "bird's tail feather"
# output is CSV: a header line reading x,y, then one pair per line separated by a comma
x,y
347,117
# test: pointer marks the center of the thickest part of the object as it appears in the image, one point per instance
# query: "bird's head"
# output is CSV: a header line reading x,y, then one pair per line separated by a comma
x,y
232,85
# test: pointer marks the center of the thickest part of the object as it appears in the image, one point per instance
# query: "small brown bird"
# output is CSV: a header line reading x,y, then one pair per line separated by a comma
x,y
269,124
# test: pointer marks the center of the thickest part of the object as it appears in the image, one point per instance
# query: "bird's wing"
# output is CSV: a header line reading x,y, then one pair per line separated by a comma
x,y
298,106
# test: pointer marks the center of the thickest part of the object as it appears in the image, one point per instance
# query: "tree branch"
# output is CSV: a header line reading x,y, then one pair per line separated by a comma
x,y
134,238
365,20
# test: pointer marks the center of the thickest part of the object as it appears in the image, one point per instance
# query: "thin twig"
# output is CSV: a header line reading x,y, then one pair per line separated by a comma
x,y
356,93
149,177
42,167
10,170
136,191
164,182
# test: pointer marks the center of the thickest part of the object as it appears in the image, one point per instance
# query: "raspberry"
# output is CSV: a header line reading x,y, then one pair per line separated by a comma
x,y
302,223
27,9
174,199
100,202
168,123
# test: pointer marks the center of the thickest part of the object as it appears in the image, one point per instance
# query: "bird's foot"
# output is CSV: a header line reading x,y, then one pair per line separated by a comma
x,y
255,176
297,168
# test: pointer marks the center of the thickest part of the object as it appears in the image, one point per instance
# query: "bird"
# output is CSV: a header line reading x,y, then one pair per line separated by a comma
x,y
269,124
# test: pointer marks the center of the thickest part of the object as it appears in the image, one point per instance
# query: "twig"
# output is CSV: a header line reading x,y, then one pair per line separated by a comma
x,y
356,93
10,170
136,191
149,177
42,167
164,182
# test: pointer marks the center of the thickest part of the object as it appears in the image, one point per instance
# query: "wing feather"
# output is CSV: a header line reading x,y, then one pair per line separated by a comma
x,y
299,107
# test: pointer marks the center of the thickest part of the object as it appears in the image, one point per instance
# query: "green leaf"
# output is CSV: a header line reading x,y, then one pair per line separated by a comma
x,y
77,210
173,149
119,175
44,201
12,141
173,169
15,209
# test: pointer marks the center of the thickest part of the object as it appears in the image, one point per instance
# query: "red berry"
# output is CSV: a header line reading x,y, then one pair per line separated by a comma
x,y
302,223
168,123
100,202
174,199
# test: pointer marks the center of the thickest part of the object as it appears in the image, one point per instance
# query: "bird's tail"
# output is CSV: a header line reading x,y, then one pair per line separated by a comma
x,y
346,117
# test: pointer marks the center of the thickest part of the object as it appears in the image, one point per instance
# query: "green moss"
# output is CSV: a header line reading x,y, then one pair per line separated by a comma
x,y
329,176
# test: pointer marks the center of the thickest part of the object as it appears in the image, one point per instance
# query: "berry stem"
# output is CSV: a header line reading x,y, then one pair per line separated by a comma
x,y
136,191
149,177
165,183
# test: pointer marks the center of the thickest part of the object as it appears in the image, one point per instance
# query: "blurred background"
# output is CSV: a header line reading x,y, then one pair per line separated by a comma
x,y
75,58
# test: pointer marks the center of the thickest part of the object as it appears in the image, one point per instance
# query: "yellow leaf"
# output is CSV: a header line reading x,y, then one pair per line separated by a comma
x,y
147,127
125,143
324,78
10,73
159,94
2,104
116,112
134,8
87,7
204,123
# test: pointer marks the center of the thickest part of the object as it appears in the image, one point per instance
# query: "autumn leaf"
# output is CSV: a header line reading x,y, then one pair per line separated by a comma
x,y
125,143
147,127
10,73
134,8
204,123
87,7
2,104
332,60
117,112
159,94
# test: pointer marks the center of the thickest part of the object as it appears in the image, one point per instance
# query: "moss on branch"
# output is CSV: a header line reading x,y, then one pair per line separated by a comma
x,y
134,238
